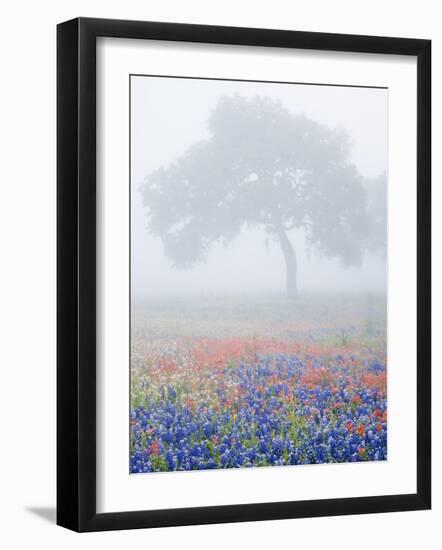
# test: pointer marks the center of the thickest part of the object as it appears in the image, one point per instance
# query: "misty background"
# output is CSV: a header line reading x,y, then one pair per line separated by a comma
x,y
169,115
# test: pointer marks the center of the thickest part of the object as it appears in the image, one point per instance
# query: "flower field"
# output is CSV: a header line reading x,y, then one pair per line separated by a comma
x,y
228,386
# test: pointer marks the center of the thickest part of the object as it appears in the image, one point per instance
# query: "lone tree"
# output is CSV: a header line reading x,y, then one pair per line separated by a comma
x,y
261,166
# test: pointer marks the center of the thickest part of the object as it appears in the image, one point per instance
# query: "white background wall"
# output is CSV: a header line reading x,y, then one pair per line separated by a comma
x,y
27,274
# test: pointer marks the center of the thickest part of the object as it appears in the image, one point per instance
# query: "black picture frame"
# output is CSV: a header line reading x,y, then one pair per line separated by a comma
x,y
76,273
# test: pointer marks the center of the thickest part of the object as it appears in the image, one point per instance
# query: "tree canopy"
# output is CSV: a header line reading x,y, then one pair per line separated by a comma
x,y
260,166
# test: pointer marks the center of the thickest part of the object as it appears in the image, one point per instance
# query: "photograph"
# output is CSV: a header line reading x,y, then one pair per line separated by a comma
x,y
220,321
258,274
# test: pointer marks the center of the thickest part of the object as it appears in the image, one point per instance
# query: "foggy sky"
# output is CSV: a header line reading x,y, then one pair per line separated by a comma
x,y
168,115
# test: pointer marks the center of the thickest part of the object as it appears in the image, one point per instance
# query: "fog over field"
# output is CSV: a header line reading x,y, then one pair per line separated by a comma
x,y
258,249
169,116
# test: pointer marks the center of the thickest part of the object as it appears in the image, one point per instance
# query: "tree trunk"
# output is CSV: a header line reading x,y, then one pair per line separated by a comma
x,y
290,263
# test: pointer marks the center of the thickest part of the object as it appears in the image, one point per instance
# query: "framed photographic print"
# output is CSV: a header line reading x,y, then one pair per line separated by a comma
x,y
243,274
